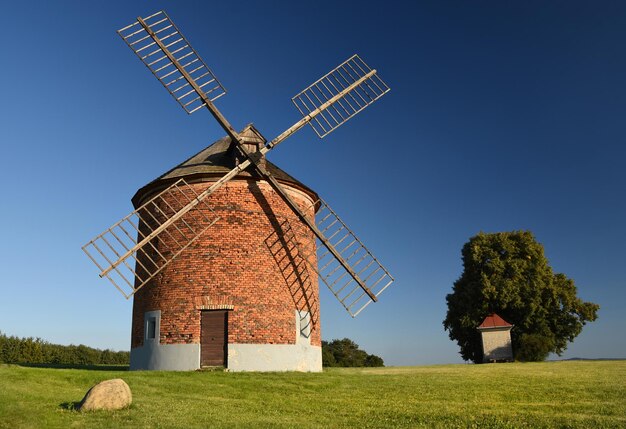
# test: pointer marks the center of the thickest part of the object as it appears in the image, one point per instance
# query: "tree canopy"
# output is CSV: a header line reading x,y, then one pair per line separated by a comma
x,y
507,273
347,353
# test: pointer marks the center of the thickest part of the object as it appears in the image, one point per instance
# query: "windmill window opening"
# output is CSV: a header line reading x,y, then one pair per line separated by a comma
x,y
151,335
152,322
304,324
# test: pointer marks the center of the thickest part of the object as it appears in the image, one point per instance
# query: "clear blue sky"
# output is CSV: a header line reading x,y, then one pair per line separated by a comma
x,y
502,116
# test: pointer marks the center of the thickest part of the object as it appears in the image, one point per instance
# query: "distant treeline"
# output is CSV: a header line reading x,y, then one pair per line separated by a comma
x,y
37,351
347,353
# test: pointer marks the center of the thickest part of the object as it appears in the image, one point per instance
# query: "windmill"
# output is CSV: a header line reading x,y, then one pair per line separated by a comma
x,y
144,251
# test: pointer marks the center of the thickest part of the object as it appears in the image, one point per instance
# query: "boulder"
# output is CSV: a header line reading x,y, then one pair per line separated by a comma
x,y
107,395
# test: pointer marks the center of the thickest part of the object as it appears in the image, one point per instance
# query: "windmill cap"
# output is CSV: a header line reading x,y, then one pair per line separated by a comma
x,y
251,135
215,161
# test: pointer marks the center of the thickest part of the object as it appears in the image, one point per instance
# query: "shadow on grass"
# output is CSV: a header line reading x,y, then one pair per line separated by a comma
x,y
70,406
76,366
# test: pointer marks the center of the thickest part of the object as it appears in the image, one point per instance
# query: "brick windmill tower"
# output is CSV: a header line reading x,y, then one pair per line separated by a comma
x,y
223,253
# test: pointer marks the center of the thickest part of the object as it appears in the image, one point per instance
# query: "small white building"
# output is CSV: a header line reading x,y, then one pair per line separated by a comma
x,y
496,338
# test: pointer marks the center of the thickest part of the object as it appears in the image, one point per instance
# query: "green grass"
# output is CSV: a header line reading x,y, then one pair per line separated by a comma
x,y
553,394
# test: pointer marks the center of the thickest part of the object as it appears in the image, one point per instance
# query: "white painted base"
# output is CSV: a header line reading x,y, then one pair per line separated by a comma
x,y
166,357
241,357
274,357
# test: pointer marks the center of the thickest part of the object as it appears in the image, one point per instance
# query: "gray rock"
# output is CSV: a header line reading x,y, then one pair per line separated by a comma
x,y
107,395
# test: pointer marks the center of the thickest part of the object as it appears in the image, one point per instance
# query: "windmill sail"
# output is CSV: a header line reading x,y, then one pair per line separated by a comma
x,y
182,217
367,88
140,245
339,281
166,52
348,290
325,240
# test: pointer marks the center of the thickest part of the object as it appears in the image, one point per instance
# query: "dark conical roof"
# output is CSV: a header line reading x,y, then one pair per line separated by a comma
x,y
215,161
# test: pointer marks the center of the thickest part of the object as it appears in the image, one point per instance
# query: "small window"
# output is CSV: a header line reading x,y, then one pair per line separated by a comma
x,y
151,329
305,323
152,320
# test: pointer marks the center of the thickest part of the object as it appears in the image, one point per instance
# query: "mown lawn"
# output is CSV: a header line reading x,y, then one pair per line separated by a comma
x,y
552,394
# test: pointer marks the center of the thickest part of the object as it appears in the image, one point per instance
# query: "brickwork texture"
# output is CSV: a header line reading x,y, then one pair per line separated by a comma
x,y
244,263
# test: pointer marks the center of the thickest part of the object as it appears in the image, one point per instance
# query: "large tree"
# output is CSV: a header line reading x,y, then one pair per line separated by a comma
x,y
347,353
507,273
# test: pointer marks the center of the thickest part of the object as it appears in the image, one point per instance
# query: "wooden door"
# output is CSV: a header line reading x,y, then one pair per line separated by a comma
x,y
213,338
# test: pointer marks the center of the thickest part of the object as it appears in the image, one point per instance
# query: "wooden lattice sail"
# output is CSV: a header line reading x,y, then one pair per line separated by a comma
x,y
349,269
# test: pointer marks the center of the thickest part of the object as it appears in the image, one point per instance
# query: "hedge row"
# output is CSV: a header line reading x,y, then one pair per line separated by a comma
x,y
37,351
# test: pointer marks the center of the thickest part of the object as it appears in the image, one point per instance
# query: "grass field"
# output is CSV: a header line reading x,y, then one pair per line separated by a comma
x,y
587,394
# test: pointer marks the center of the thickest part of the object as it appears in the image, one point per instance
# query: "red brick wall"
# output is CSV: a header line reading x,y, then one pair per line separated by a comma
x,y
245,261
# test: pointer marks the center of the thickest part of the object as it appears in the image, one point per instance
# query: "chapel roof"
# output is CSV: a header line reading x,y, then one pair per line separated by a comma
x,y
494,321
